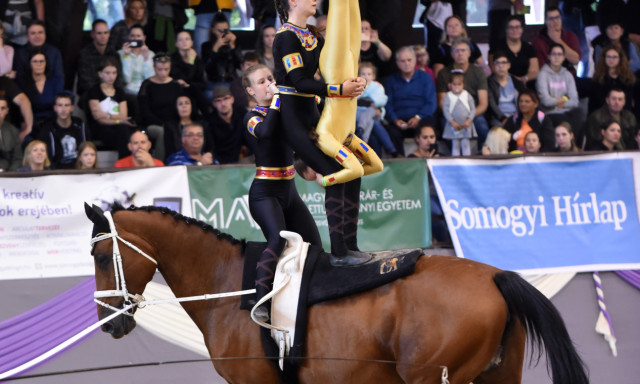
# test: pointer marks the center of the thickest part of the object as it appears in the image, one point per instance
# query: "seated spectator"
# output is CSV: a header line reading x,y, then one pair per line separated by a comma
x,y
504,89
139,146
553,34
264,46
135,12
17,16
371,111
192,144
63,133
87,156
529,119
475,82
249,59
40,86
226,126
422,60
612,71
109,118
454,29
427,149
532,143
220,56
91,57
372,49
411,98
157,101
615,35
137,60
565,141
459,110
522,55
611,134
557,90
612,110
186,114
187,67
497,142
35,157
10,91
426,141
6,56
37,38
10,146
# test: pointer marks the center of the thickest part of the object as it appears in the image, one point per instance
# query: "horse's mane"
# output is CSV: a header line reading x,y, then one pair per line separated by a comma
x,y
177,216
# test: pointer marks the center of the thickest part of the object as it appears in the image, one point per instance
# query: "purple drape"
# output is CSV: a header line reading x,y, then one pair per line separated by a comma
x,y
632,277
30,334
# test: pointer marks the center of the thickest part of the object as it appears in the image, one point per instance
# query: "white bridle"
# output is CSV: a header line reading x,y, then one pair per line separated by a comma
x,y
121,285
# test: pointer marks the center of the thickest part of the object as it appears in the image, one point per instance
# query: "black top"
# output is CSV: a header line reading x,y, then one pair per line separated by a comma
x,y
519,61
157,102
62,143
193,74
90,61
220,66
265,138
300,50
228,139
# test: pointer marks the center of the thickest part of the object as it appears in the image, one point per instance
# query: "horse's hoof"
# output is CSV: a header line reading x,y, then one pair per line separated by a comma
x,y
351,259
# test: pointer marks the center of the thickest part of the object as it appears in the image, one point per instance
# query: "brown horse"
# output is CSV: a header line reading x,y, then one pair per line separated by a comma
x,y
470,317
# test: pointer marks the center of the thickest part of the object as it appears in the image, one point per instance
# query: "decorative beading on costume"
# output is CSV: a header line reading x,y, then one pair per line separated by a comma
x,y
252,123
275,173
292,61
292,91
275,102
334,90
307,39
261,110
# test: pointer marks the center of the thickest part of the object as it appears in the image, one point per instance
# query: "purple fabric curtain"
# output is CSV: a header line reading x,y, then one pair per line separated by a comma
x,y
30,334
631,276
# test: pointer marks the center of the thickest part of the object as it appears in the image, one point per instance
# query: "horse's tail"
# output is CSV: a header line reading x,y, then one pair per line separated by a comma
x,y
543,325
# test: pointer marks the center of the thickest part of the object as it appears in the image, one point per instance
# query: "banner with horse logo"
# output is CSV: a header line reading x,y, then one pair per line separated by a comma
x,y
394,204
543,214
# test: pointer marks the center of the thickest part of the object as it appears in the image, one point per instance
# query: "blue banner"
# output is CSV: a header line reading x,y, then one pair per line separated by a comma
x,y
545,215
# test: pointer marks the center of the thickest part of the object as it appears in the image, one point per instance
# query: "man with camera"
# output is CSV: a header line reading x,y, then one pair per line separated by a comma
x,y
137,60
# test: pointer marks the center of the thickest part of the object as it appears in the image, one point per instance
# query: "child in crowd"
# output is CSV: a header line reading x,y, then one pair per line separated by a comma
x,y
459,110
497,142
422,60
371,111
532,142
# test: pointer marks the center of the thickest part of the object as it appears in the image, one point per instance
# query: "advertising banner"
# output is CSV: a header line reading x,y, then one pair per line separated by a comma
x,y
394,204
43,228
543,215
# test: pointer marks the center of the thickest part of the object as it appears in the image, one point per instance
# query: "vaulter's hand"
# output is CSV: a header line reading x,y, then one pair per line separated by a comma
x,y
352,88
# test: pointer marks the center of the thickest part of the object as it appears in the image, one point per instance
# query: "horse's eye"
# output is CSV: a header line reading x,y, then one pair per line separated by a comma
x,y
103,260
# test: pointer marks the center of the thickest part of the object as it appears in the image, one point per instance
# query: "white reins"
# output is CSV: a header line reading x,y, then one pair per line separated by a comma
x,y
121,285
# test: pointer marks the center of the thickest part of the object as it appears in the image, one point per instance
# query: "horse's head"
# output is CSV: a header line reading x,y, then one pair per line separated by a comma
x,y
121,271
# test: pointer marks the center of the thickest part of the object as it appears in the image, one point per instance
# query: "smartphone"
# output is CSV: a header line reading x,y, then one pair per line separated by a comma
x,y
136,43
433,147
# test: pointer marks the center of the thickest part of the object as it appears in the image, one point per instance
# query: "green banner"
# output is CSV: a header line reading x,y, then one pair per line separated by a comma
x,y
394,204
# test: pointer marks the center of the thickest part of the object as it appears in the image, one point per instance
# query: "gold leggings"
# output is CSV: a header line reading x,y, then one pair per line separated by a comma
x,y
339,62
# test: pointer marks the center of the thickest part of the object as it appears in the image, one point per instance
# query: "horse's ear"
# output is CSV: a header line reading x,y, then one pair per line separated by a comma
x,y
96,215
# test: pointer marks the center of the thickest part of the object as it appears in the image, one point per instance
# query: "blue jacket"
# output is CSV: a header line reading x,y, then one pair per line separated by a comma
x,y
409,98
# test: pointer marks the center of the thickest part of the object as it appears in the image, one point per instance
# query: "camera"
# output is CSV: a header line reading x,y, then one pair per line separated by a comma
x,y
136,43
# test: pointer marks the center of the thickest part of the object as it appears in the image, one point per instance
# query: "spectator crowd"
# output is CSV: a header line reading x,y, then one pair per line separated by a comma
x,y
158,94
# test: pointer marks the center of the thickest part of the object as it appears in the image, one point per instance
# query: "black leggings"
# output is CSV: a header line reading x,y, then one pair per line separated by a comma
x,y
275,205
299,115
